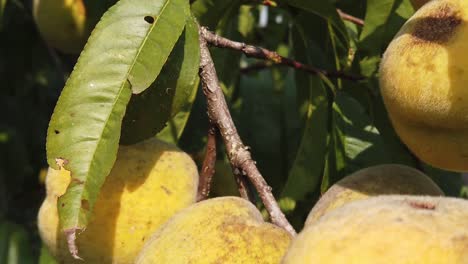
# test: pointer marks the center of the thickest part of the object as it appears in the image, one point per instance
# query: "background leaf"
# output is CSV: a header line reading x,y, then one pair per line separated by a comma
x,y
15,247
210,12
324,9
306,171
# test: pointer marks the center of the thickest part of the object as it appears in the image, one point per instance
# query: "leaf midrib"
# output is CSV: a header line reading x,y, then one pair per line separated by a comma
x,y
145,39
99,141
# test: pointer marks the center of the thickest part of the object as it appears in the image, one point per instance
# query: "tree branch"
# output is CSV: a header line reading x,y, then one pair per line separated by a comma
x,y
350,18
262,53
208,167
237,152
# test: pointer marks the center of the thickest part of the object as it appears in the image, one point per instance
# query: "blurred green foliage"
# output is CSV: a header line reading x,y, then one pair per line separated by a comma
x,y
305,132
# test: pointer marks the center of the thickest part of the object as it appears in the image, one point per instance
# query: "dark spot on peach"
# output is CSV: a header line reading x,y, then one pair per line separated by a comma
x,y
430,67
63,205
460,238
438,27
143,239
166,190
422,205
149,19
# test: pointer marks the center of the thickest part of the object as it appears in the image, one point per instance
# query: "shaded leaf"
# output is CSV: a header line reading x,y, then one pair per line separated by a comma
x,y
324,9
45,257
176,125
307,168
148,112
15,247
383,20
210,12
125,52
246,24
259,124
363,144
2,12
354,141
450,182
95,9
227,61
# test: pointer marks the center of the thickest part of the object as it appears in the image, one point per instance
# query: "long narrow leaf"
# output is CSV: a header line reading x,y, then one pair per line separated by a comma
x,y
306,171
125,53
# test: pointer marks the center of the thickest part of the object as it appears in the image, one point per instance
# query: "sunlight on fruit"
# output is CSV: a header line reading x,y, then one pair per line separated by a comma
x,y
387,230
373,181
219,230
149,182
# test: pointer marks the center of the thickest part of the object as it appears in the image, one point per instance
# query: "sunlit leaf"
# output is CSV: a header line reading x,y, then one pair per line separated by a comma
x,y
124,54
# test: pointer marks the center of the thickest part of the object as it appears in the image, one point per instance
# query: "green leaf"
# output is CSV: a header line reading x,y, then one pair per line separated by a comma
x,y
148,112
164,24
324,9
363,144
2,12
307,168
260,124
4,239
19,249
355,142
306,171
125,52
176,125
3,195
210,12
450,182
45,257
383,20
227,61
378,13
247,22
15,247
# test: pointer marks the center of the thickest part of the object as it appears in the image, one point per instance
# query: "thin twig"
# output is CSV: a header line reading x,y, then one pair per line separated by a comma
x,y
237,152
208,167
242,185
350,18
262,53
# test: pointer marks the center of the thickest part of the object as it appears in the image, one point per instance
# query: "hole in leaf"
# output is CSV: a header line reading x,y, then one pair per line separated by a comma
x,y
56,132
85,204
149,19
